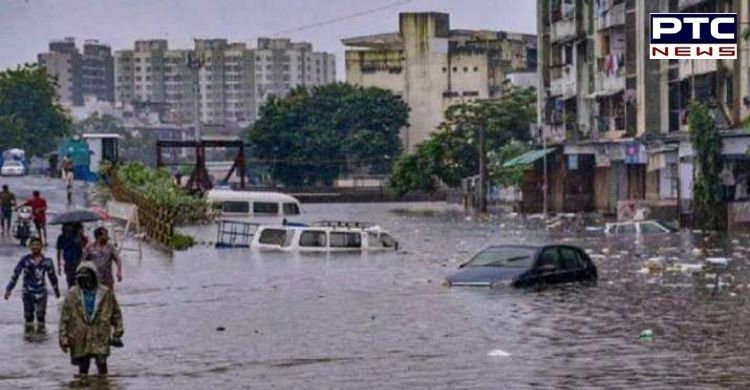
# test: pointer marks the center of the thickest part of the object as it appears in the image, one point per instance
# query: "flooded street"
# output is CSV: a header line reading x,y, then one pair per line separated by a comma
x,y
231,319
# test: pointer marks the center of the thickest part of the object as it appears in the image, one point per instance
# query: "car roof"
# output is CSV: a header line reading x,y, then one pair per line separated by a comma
x,y
257,196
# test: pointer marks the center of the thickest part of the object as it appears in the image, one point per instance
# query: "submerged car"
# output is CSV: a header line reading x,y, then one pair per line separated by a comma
x,y
526,266
12,168
638,227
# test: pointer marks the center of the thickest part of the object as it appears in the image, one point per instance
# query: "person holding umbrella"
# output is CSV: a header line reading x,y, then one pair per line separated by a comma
x,y
70,246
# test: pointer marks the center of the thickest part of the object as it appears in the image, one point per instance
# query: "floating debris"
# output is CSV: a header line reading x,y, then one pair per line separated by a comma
x,y
498,353
647,334
718,261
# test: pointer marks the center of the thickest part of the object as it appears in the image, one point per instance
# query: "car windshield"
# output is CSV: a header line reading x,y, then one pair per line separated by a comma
x,y
512,257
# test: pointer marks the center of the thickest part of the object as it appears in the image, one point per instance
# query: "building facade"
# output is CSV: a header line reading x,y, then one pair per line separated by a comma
x,y
230,80
80,75
282,65
433,67
611,110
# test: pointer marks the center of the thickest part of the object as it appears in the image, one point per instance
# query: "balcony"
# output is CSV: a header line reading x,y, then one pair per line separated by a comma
x,y
697,67
563,30
610,17
565,83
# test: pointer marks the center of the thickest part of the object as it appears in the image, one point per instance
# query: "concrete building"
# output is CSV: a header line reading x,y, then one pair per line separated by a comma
x,y
433,67
614,112
79,76
282,65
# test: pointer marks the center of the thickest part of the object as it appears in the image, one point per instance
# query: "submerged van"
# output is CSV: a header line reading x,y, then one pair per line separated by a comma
x,y
253,204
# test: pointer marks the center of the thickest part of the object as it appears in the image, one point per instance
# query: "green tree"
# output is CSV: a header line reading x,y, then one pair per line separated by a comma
x,y
27,94
508,176
451,153
312,136
706,142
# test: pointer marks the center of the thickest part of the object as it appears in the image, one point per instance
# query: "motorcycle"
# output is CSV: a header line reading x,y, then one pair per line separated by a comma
x,y
23,225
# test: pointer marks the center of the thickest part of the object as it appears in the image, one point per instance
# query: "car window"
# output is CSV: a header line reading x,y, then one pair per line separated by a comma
x,y
291,209
650,227
626,228
313,239
387,241
570,259
235,207
265,208
550,256
272,236
513,257
373,241
346,240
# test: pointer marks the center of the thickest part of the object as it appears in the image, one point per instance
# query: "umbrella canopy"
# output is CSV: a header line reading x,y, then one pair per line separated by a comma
x,y
76,216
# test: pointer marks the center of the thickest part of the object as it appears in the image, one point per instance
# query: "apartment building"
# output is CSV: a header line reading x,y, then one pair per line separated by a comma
x,y
282,65
80,75
433,67
230,80
614,112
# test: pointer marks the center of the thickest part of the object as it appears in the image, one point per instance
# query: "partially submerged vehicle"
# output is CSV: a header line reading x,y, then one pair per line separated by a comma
x,y
323,236
258,206
638,227
525,266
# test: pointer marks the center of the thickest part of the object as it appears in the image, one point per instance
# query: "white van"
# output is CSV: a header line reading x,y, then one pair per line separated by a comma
x,y
254,204
323,237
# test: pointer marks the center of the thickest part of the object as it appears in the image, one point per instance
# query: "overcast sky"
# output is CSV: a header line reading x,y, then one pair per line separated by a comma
x,y
28,25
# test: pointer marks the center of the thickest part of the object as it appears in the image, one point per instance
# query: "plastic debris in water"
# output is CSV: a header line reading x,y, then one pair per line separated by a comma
x,y
647,334
498,353
697,252
718,261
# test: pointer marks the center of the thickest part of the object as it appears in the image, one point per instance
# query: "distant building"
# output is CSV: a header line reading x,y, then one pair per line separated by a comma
x,y
78,76
433,67
232,81
282,65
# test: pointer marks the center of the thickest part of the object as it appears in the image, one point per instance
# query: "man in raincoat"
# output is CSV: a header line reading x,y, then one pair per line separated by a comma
x,y
90,321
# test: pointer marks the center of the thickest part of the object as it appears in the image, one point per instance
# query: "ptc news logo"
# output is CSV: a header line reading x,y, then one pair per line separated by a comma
x,y
693,36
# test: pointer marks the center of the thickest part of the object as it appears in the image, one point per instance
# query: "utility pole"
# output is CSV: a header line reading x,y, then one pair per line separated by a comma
x,y
195,63
544,169
482,171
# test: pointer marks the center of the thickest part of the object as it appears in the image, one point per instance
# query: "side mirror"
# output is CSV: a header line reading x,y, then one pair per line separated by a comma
x,y
547,268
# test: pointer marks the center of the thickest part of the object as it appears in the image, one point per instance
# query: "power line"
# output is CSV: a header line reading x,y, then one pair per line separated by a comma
x,y
342,18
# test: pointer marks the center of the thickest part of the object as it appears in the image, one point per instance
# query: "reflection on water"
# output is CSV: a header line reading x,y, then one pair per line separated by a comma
x,y
383,320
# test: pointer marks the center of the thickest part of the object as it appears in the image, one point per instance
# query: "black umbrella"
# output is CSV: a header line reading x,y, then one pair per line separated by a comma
x,y
76,216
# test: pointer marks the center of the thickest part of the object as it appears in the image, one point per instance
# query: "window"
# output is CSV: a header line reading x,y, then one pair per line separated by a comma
x,y
476,69
627,228
290,208
466,69
272,237
346,240
471,93
315,239
265,208
570,259
550,257
649,228
455,69
236,207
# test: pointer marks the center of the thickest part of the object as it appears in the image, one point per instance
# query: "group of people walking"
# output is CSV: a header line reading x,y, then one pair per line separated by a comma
x,y
90,319
38,207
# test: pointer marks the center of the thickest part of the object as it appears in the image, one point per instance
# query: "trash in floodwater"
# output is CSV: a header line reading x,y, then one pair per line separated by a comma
x,y
605,250
718,261
498,353
647,334
697,252
686,268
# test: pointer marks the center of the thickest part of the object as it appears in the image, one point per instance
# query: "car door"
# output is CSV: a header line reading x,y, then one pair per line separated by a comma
x,y
547,269
571,265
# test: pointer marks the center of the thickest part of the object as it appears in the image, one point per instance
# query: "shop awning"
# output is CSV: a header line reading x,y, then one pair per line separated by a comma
x,y
605,93
528,157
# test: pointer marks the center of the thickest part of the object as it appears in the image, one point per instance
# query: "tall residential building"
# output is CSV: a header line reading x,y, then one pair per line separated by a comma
x,y
433,67
621,118
79,76
231,82
282,65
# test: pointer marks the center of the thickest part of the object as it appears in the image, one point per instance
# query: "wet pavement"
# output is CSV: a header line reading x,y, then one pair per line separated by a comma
x,y
233,319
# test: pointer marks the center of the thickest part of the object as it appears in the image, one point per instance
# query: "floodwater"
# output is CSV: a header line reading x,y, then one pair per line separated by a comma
x,y
383,321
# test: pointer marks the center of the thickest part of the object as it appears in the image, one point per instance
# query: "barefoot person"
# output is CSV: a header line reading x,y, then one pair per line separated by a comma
x,y
90,321
34,267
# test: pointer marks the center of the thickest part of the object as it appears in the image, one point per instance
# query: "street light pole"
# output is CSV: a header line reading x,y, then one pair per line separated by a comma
x,y
482,171
544,169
